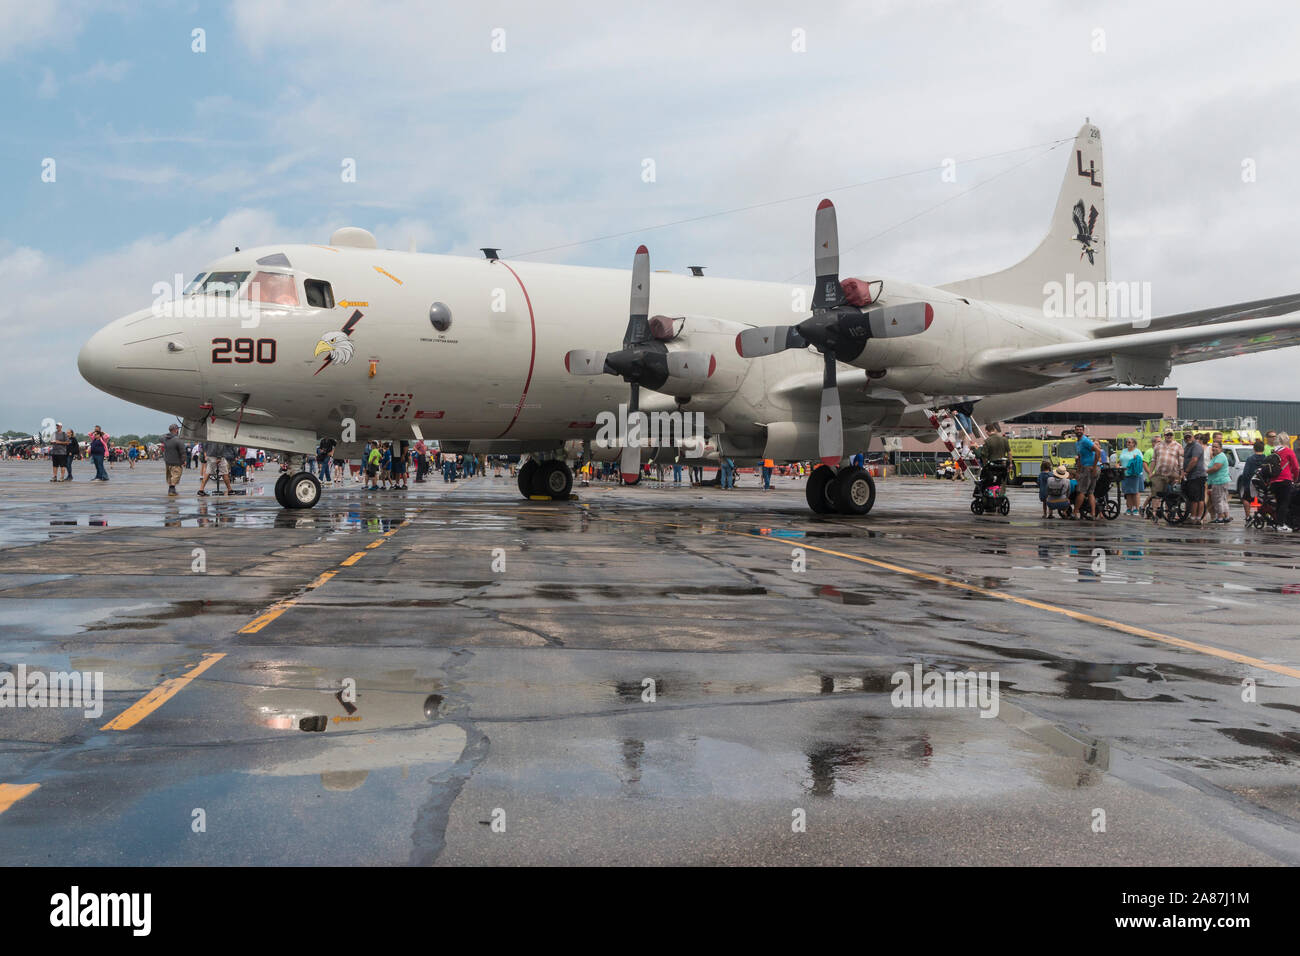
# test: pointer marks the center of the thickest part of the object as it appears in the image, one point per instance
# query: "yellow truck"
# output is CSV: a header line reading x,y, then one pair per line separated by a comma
x,y
1028,455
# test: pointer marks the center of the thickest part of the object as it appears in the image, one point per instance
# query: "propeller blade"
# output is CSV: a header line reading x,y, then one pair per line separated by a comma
x,y
629,463
584,362
768,340
638,323
826,258
895,321
694,367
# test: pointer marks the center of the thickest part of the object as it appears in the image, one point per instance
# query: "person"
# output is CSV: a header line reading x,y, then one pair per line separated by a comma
x,y
218,468
1134,468
1194,479
1058,491
98,449
1044,476
74,451
697,475
1085,473
769,465
373,459
325,458
995,446
1218,477
132,454
1284,484
174,458
420,451
59,451
1270,442
728,473
677,468
1245,487
1166,465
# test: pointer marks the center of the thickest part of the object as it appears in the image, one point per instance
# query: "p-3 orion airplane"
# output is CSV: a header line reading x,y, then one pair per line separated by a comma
x,y
280,346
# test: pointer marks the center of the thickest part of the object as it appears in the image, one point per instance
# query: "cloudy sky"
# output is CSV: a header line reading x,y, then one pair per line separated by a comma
x,y
165,157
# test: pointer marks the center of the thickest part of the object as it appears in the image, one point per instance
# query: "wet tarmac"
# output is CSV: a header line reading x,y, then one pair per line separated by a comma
x,y
454,675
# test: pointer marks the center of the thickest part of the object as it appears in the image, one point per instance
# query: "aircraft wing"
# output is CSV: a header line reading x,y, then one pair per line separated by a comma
x,y
1145,358
1259,309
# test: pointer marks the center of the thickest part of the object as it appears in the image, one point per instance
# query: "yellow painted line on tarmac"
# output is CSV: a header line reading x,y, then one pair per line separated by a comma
x,y
1284,669
164,692
11,793
279,607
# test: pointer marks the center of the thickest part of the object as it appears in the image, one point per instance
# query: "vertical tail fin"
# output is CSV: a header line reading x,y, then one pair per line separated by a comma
x,y
1076,240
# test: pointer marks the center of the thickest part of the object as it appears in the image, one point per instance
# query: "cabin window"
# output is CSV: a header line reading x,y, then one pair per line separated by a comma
x,y
195,284
319,294
274,288
223,283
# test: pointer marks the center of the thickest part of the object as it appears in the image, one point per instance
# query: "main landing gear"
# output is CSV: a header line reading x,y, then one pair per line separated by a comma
x,y
300,490
548,479
846,491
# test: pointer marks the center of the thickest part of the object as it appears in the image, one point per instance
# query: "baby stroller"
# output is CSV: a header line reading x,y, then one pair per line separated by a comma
x,y
990,493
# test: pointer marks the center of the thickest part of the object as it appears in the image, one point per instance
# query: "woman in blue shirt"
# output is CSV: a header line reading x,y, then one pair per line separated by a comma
x,y
1131,463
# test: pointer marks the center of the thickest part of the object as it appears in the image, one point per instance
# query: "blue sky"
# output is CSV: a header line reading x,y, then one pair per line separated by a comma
x,y
167,158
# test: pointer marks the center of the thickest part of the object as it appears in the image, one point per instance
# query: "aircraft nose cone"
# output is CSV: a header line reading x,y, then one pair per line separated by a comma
x,y
145,358
95,360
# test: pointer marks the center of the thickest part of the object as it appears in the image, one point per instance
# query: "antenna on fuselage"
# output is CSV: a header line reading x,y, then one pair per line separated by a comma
x,y
490,254
696,270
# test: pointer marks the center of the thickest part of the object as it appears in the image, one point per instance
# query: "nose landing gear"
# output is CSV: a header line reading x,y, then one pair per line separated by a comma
x,y
547,479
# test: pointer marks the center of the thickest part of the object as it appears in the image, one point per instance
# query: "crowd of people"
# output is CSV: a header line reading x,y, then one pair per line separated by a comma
x,y
1196,465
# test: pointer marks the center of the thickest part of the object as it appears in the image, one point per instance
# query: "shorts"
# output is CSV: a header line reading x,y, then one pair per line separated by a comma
x,y
1087,481
1159,483
59,461
218,467
371,471
1194,488
1132,485
174,473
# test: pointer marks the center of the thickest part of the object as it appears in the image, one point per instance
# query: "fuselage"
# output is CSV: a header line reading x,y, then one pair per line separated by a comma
x,y
473,349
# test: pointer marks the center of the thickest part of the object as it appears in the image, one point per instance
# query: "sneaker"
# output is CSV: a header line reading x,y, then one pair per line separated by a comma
x,y
202,493
171,490
1283,527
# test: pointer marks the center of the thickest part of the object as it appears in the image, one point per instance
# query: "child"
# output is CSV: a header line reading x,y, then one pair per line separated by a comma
x,y
1044,475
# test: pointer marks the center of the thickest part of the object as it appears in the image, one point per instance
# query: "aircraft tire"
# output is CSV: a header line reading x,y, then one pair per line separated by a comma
x,y
302,490
280,484
819,488
553,479
526,473
855,492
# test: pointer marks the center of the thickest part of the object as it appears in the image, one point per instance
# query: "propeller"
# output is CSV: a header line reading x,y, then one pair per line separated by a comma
x,y
643,360
836,328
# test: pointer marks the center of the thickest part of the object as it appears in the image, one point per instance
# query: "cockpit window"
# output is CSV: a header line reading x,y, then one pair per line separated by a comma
x,y
273,287
319,294
274,259
222,283
193,287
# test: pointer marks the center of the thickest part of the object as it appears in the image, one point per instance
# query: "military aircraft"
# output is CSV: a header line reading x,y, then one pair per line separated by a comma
x,y
282,345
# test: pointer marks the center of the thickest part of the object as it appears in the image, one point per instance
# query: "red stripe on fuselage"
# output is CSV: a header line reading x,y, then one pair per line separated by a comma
x,y
532,321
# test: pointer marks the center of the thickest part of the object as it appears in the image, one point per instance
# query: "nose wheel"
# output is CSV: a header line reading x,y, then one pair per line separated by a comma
x,y
301,490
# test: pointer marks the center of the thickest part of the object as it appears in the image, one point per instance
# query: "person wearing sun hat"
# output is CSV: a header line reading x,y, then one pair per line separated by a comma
x,y
1058,491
